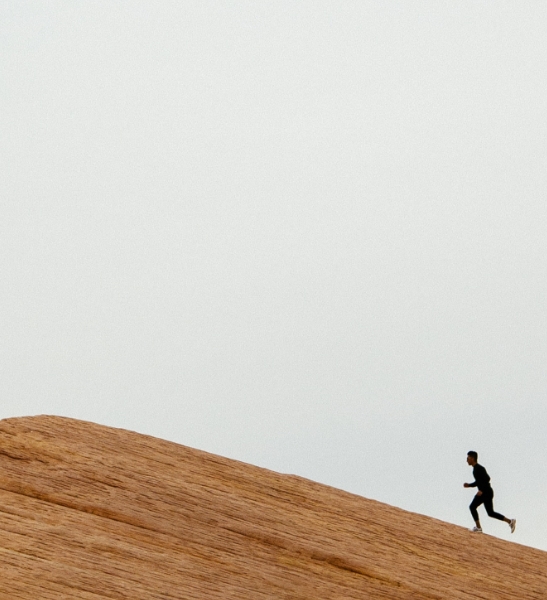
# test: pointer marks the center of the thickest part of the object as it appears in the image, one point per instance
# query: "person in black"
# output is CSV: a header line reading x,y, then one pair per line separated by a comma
x,y
485,494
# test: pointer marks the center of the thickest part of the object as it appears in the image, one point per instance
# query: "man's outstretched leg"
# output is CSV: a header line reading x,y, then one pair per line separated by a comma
x,y
489,506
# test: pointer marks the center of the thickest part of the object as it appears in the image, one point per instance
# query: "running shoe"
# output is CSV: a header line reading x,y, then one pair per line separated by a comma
x,y
513,524
476,530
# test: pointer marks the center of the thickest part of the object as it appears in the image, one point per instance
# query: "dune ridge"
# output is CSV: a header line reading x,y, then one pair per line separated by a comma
x,y
93,512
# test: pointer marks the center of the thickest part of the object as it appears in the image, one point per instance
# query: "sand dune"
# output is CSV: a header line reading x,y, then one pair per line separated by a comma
x,y
93,512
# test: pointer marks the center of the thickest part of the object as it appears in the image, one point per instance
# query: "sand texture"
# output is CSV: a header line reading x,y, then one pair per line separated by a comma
x,y
92,512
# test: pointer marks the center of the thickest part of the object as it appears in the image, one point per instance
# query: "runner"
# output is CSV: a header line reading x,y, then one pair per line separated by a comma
x,y
485,495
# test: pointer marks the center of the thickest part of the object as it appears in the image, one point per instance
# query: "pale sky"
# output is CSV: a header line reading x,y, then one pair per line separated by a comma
x,y
307,235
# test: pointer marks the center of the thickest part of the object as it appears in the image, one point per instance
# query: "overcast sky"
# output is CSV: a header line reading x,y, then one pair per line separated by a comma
x,y
308,235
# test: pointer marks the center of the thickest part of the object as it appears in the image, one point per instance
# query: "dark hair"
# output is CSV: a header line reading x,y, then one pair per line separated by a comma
x,y
473,454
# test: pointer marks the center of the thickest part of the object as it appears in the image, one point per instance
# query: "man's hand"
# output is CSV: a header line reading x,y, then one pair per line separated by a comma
x,y
465,485
479,493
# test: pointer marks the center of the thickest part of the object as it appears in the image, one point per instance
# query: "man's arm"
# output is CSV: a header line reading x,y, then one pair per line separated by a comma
x,y
474,484
482,479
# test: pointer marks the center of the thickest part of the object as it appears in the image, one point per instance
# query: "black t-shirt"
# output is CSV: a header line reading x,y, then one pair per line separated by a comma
x,y
482,479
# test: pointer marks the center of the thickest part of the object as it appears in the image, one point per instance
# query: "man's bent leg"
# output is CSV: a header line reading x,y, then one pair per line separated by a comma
x,y
477,501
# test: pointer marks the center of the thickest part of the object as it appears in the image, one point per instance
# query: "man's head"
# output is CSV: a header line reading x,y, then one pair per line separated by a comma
x,y
472,458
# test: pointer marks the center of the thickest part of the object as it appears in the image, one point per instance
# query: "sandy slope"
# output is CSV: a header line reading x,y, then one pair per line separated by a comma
x,y
92,512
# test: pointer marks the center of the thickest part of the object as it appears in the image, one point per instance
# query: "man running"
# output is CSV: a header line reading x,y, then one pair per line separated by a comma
x,y
485,495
